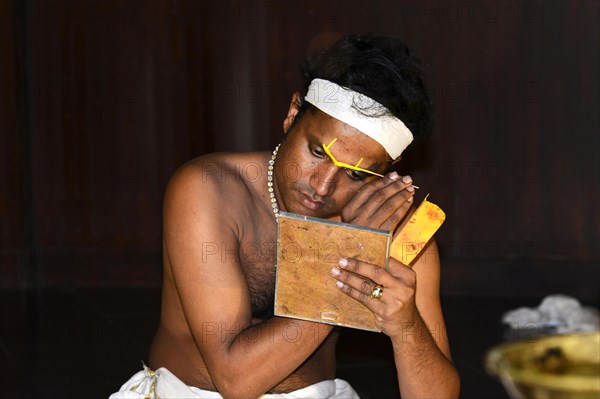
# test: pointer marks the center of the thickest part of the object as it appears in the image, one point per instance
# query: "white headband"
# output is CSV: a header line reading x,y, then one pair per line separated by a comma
x,y
342,104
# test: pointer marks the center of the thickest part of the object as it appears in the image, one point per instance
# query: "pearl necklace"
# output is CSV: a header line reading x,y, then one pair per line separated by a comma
x,y
270,178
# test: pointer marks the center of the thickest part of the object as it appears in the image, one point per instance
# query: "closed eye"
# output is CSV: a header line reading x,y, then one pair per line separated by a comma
x,y
356,175
318,152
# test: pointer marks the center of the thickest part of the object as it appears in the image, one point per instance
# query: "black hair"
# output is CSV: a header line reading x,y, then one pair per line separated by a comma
x,y
380,67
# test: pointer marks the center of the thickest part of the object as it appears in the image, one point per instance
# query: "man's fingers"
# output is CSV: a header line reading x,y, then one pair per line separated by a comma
x,y
355,286
367,190
359,295
391,213
403,272
378,201
374,273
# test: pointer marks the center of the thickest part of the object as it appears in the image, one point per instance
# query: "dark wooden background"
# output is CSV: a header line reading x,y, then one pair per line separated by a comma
x,y
101,100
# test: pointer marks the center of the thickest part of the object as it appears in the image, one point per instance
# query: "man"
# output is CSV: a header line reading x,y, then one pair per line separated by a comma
x,y
363,103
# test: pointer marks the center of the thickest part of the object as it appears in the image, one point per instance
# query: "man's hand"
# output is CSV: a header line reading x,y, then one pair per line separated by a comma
x,y
396,309
381,204
418,335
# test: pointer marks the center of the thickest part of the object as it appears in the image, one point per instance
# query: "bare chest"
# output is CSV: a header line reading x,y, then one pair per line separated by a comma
x,y
258,257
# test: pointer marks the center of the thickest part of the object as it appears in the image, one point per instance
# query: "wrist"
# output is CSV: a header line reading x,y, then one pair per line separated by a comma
x,y
411,333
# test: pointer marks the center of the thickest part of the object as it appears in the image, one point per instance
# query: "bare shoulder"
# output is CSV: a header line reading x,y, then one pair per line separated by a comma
x,y
429,257
219,172
219,184
208,207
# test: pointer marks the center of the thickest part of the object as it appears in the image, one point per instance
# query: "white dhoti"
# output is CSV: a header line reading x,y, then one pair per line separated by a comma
x,y
162,384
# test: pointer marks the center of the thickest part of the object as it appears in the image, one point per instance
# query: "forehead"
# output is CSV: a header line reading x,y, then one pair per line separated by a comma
x,y
320,127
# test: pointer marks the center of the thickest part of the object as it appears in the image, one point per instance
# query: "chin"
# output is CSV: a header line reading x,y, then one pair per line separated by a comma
x,y
321,214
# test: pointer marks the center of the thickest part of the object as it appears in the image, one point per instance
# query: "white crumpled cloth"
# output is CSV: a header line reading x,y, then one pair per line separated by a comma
x,y
560,313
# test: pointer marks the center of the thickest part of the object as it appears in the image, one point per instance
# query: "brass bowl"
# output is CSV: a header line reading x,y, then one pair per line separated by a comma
x,y
558,366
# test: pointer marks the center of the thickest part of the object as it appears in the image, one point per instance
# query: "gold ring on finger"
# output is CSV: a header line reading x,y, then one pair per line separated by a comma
x,y
377,292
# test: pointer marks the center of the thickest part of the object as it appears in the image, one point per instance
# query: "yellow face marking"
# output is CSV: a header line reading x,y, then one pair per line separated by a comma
x,y
339,164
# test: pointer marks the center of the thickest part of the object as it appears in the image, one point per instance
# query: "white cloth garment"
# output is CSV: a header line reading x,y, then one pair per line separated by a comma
x,y
349,106
162,384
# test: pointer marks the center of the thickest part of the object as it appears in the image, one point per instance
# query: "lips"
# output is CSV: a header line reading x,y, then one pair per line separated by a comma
x,y
309,202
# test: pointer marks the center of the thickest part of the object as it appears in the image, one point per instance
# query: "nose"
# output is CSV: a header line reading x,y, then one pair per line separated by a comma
x,y
324,180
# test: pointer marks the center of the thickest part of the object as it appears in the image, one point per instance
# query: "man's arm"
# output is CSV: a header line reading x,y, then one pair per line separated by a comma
x,y
243,360
404,313
421,349
411,317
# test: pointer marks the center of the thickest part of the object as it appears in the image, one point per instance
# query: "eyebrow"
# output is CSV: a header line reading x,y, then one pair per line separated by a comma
x,y
346,165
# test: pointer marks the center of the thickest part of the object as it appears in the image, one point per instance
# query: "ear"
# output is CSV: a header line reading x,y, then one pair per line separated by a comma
x,y
292,112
